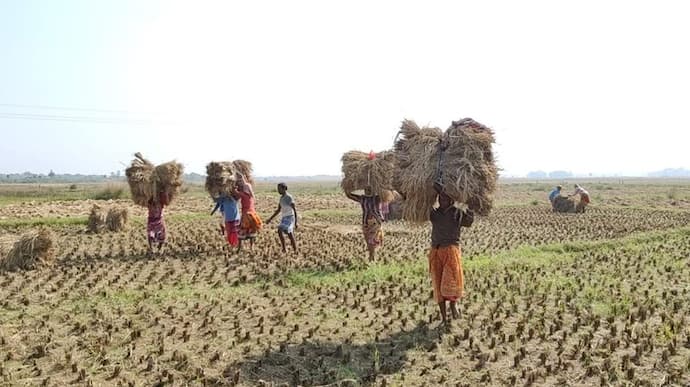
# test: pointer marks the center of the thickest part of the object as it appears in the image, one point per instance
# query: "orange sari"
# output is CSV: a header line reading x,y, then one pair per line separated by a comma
x,y
445,268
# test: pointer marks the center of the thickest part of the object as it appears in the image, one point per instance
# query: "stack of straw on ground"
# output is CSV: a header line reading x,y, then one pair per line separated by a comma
x,y
147,182
467,166
221,176
563,204
373,170
32,250
111,219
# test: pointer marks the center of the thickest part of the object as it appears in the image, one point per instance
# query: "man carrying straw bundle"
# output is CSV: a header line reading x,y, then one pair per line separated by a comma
x,y
371,219
445,259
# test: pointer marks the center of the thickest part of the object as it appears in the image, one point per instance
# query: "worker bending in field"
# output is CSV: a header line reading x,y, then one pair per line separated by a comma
x,y
554,194
584,198
445,259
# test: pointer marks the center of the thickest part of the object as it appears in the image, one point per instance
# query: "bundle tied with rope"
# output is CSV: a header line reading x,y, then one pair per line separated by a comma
x,y
363,170
147,182
461,159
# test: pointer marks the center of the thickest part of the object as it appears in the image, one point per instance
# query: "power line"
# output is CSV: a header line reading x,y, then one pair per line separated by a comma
x,y
48,107
83,119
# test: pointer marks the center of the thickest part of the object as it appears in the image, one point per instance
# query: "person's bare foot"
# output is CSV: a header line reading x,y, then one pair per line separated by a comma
x,y
454,311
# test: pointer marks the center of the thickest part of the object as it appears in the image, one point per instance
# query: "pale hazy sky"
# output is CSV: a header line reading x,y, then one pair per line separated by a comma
x,y
587,86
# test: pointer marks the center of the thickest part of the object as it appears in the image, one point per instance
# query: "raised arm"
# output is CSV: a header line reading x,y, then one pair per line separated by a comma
x,y
354,197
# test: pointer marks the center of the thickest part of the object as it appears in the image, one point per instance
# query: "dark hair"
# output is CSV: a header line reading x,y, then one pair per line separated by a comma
x,y
559,187
282,185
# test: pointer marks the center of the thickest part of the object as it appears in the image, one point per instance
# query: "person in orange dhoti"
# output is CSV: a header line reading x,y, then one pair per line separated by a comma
x,y
445,260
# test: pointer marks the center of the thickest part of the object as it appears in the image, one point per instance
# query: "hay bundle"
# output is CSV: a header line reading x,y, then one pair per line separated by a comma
x,y
221,178
32,250
141,180
395,209
117,218
244,168
97,219
467,166
169,179
147,182
362,170
563,204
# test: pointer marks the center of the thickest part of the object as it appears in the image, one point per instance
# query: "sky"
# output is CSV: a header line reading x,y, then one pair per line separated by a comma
x,y
597,87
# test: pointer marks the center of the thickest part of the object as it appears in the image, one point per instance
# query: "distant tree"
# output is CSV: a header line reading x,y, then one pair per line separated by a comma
x,y
51,174
560,174
537,175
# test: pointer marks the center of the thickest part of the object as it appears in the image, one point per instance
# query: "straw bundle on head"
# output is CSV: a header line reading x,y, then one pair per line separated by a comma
x,y
564,204
141,179
116,220
245,168
147,182
362,170
462,157
97,219
32,250
220,178
169,179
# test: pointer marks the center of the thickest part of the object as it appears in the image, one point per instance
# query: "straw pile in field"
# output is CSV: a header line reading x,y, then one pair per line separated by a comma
x,y
563,204
362,170
467,166
32,250
97,219
117,218
221,178
147,181
244,168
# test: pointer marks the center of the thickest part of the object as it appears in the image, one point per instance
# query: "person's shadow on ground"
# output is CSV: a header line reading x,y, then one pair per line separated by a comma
x,y
326,363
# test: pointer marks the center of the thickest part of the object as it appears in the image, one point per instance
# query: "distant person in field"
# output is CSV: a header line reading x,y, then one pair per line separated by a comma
x,y
288,222
250,223
372,218
155,224
584,198
554,194
445,259
228,206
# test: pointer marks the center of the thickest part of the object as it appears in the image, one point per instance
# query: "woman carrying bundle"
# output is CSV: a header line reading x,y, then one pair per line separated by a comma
x,y
445,260
155,224
250,223
371,219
